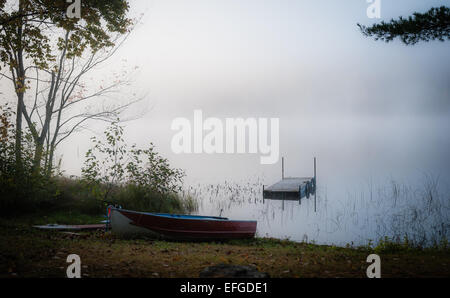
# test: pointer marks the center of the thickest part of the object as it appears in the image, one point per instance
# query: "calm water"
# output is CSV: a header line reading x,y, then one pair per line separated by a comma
x,y
375,179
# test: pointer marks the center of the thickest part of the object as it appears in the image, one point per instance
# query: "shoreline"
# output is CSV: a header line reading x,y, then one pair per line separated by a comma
x,y
28,252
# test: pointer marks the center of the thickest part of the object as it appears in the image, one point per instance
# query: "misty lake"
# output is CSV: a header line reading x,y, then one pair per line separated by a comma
x,y
376,179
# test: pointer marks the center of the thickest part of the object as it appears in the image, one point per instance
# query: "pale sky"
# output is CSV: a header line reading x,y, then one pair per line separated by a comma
x,y
304,62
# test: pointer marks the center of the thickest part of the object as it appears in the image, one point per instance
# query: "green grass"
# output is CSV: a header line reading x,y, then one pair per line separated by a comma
x,y
70,195
28,252
76,195
66,217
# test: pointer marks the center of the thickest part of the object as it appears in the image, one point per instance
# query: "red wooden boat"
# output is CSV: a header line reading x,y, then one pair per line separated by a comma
x,y
179,227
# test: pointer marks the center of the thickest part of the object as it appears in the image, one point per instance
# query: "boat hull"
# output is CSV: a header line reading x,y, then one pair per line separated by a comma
x,y
179,227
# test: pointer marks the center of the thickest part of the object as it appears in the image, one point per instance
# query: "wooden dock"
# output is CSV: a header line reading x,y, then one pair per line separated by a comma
x,y
292,189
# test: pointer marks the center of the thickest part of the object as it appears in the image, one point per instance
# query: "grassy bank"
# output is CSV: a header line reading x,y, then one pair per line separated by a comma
x,y
72,201
27,252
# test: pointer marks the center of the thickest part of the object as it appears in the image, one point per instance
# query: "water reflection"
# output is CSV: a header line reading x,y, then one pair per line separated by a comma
x,y
361,213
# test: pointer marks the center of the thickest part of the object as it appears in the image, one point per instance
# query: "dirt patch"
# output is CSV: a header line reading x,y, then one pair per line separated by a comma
x,y
27,252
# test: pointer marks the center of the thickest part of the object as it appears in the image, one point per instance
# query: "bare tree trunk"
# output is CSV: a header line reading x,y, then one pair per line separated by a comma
x,y
62,86
18,145
39,138
47,164
38,158
49,168
19,87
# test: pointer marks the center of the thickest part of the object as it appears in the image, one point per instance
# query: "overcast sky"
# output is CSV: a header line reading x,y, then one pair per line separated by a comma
x,y
307,56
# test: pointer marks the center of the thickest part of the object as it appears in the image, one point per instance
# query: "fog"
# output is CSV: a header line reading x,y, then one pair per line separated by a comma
x,y
369,111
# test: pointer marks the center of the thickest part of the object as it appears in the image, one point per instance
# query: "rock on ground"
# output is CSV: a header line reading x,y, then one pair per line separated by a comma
x,y
232,271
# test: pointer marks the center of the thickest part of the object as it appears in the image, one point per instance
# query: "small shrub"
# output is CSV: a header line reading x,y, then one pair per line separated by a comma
x,y
133,178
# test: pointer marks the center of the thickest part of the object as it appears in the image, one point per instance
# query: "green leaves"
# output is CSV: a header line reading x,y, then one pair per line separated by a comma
x,y
432,25
113,164
22,28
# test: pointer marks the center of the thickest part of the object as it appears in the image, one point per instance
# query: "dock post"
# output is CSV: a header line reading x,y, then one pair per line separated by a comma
x,y
263,194
315,186
300,195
